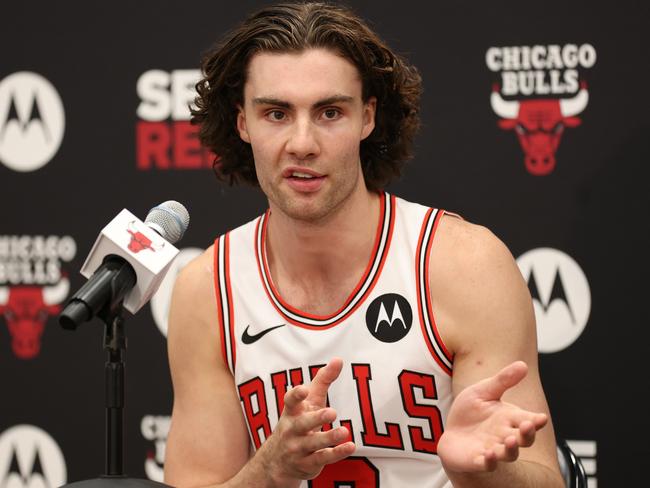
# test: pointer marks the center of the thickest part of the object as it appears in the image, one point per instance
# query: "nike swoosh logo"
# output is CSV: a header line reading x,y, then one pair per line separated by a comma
x,y
246,338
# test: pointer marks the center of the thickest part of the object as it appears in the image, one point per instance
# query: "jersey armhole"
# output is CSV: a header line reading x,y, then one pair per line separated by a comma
x,y
223,294
425,311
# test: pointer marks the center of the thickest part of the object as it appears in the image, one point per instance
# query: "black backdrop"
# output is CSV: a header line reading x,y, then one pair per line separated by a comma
x,y
585,219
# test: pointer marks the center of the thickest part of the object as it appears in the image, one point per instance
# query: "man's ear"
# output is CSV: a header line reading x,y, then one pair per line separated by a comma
x,y
241,124
369,111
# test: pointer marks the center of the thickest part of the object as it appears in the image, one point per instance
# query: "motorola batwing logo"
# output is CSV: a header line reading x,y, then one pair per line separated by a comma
x,y
30,458
561,297
389,317
32,121
161,299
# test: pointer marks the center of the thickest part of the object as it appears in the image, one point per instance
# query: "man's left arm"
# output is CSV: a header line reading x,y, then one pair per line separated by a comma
x,y
499,431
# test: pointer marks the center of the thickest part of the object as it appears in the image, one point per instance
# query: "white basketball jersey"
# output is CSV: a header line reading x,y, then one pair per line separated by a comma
x,y
394,391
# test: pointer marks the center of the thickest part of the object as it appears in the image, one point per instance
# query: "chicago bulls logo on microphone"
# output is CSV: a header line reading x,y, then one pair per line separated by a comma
x,y
139,241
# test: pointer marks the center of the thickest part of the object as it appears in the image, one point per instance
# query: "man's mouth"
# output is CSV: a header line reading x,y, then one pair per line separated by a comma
x,y
298,174
302,173
303,180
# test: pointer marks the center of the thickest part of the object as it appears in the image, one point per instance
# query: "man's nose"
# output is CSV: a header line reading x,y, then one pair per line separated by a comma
x,y
303,141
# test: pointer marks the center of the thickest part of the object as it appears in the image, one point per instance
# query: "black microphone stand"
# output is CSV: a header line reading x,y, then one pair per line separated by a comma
x,y
104,298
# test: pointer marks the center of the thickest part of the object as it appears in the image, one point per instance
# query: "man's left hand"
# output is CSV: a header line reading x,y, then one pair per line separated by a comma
x,y
482,430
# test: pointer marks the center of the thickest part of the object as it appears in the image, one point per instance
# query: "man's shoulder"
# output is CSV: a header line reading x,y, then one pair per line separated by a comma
x,y
468,263
196,277
473,278
467,246
457,240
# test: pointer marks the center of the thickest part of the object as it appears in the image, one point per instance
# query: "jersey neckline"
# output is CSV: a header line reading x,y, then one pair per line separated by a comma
x,y
359,293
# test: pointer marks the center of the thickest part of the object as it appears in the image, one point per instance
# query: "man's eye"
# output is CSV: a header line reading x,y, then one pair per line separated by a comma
x,y
275,115
331,113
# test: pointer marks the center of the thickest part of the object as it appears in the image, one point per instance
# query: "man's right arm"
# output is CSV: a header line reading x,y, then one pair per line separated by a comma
x,y
208,440
208,443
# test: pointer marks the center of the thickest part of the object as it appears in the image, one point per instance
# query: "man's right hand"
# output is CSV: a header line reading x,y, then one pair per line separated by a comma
x,y
298,449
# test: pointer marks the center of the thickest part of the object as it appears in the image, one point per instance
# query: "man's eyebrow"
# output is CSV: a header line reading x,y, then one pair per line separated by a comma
x,y
333,99
321,103
271,101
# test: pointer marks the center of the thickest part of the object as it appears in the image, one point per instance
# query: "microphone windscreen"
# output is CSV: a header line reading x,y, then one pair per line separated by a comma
x,y
170,219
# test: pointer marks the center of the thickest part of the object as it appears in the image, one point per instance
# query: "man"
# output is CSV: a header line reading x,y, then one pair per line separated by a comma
x,y
326,340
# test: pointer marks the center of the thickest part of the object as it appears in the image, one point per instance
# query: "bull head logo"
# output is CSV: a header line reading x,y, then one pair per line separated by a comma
x,y
539,125
26,308
139,241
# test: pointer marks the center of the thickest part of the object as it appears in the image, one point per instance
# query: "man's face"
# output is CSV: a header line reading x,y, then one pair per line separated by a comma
x,y
304,117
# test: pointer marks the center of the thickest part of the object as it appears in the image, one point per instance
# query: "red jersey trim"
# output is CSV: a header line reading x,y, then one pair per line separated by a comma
x,y
425,311
361,291
223,294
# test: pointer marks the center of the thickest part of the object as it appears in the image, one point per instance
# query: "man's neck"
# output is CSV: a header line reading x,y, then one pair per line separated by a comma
x,y
323,256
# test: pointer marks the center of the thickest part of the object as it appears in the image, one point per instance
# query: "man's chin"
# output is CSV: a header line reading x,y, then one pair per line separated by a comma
x,y
308,209
307,213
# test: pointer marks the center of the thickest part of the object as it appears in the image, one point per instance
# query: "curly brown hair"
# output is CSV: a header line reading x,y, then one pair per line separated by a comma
x,y
293,28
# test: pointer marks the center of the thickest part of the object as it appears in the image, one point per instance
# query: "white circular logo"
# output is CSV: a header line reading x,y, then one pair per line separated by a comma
x,y
32,121
161,299
29,457
155,428
561,297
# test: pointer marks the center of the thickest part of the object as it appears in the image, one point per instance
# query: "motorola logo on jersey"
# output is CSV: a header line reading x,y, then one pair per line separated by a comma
x,y
547,76
32,286
32,121
165,139
160,300
561,297
389,317
155,428
30,458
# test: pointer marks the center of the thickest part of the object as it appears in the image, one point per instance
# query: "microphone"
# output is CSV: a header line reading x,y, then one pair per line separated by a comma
x,y
127,262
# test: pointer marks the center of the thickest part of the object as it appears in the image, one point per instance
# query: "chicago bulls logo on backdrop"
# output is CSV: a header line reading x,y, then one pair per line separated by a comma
x,y
32,287
540,94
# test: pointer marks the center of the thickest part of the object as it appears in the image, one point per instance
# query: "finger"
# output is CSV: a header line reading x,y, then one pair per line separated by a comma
x,y
540,420
526,434
509,450
293,400
331,455
519,417
309,421
323,440
322,381
487,461
492,388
